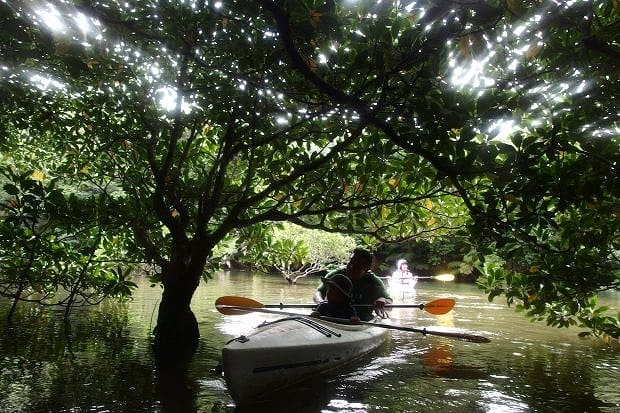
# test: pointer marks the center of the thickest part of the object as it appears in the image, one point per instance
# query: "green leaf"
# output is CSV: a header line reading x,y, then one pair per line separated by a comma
x,y
11,189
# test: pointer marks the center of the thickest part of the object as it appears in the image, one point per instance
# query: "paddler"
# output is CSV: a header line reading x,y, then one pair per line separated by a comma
x,y
367,288
338,299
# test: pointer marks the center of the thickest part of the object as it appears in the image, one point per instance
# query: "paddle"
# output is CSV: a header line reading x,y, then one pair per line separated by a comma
x,y
239,310
440,277
437,307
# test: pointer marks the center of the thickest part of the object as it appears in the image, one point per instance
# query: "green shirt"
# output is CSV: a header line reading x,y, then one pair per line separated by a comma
x,y
365,291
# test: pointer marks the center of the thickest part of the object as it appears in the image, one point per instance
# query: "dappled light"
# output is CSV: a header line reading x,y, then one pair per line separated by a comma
x,y
45,82
163,129
478,61
502,129
51,18
146,145
472,75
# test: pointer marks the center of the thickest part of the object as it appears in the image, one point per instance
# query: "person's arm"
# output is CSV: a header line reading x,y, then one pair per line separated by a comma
x,y
382,299
379,306
318,297
382,291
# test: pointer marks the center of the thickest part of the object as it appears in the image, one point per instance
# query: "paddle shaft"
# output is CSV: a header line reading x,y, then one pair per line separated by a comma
x,y
354,305
461,336
434,277
437,307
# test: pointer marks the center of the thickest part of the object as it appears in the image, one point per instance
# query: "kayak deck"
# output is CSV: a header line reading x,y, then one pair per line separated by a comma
x,y
290,350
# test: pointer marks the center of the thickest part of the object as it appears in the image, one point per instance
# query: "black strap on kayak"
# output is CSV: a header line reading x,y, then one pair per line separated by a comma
x,y
318,327
305,321
279,320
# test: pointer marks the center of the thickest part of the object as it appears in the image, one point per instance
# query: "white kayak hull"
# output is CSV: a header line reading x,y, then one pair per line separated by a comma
x,y
291,350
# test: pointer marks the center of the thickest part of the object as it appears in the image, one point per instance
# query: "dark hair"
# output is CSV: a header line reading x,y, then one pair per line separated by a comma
x,y
364,256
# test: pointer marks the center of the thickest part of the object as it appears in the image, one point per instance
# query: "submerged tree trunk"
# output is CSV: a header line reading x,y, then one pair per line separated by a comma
x,y
177,329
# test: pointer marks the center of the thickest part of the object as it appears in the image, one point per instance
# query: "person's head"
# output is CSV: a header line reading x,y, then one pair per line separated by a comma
x,y
338,288
402,264
359,263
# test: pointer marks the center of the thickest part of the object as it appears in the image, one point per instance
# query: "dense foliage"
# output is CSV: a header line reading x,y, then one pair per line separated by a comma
x,y
56,250
295,251
193,120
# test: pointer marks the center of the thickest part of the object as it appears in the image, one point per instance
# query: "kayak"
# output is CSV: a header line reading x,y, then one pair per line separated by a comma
x,y
287,351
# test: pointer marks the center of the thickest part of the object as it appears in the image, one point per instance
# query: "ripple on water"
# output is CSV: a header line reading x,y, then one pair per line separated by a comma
x,y
342,405
498,402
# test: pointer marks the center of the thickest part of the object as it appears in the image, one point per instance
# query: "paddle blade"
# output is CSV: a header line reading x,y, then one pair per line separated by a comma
x,y
222,304
444,277
439,306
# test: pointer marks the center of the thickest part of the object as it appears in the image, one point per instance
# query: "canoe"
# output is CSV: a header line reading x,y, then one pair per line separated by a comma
x,y
287,351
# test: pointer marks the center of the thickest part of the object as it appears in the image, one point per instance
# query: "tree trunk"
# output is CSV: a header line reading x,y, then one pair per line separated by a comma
x,y
176,331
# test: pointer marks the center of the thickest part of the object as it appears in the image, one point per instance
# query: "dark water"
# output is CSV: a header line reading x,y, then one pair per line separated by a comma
x,y
108,366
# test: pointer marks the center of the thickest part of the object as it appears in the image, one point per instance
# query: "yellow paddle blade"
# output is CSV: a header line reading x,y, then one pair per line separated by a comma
x,y
444,277
439,306
230,300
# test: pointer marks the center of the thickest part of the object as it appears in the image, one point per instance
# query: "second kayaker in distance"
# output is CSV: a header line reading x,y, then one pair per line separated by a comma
x,y
367,288
402,276
338,299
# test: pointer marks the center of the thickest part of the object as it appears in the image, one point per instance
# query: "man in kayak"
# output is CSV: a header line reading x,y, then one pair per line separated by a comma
x,y
338,299
367,288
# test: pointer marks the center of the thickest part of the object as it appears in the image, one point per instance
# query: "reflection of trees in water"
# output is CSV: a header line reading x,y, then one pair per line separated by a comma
x,y
557,381
42,333
40,372
543,380
176,392
448,375
306,398
114,369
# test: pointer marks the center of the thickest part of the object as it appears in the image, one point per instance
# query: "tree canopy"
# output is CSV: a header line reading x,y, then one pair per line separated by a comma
x,y
189,121
296,252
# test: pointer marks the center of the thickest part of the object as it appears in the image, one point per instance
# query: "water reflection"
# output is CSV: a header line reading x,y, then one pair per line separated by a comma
x,y
175,390
526,367
43,371
439,360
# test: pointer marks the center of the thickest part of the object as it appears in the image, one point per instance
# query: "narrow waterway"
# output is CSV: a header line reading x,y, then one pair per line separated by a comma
x,y
108,366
